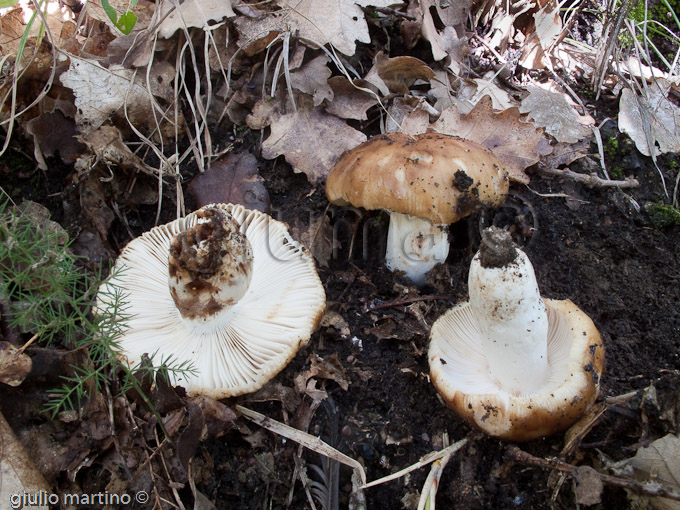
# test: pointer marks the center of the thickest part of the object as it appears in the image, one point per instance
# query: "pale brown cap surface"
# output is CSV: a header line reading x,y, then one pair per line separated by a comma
x,y
460,372
439,177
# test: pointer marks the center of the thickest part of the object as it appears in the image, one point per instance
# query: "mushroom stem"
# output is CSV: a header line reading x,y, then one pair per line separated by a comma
x,y
210,265
505,299
415,245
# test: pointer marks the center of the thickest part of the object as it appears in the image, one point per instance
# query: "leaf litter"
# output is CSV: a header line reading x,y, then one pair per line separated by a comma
x,y
285,69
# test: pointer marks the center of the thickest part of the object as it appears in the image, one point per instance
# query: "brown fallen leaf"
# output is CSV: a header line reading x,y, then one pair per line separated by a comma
x,y
554,112
231,179
312,79
336,321
323,368
400,73
54,133
14,365
348,102
94,204
545,28
317,238
311,141
588,486
660,462
511,140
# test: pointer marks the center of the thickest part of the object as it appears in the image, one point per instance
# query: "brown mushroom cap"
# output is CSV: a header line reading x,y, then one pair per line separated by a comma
x,y
439,177
460,373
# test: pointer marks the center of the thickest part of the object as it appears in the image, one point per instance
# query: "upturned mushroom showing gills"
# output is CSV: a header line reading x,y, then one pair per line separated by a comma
x,y
224,288
511,363
426,182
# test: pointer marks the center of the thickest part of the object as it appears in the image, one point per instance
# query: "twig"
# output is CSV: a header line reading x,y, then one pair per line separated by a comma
x,y
592,181
306,440
647,488
424,461
407,301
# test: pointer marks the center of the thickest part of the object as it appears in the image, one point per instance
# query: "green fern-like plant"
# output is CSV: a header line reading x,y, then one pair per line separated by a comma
x,y
51,297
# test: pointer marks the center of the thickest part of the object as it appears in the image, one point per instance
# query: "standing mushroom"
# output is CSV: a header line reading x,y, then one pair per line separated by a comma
x,y
426,182
511,363
224,288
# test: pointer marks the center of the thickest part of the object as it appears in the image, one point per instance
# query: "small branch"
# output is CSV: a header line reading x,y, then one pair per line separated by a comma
x,y
648,488
407,301
592,181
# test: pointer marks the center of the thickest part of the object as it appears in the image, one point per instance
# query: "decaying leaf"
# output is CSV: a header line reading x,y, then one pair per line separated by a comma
x,y
408,114
553,111
143,9
312,79
328,368
447,41
512,141
101,92
13,24
232,179
339,23
336,321
106,143
317,238
399,73
311,140
54,133
660,462
564,154
348,102
652,121
191,13
14,365
588,486
94,204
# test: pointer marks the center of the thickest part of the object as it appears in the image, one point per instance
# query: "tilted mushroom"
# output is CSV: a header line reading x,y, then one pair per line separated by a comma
x,y
225,288
426,182
511,363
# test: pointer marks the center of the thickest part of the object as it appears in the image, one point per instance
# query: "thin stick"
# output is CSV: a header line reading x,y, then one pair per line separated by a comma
x,y
424,461
306,440
592,181
408,301
649,489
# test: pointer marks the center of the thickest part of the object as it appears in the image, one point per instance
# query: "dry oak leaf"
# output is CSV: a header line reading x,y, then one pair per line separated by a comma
x,y
348,102
512,141
312,79
656,111
311,140
500,98
191,13
339,22
553,111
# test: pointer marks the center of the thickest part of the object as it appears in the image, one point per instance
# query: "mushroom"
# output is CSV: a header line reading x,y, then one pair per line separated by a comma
x,y
426,182
225,288
509,362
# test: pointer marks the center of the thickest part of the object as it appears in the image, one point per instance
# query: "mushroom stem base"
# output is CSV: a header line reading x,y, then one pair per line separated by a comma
x,y
415,246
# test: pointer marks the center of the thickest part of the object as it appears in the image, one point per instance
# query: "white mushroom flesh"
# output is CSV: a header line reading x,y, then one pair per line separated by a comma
x,y
415,246
513,321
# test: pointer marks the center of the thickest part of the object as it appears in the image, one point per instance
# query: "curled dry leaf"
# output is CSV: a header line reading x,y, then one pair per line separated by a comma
x,y
445,42
400,73
512,141
317,238
311,140
106,143
14,365
545,29
554,112
348,102
232,179
336,321
328,368
339,23
486,86
13,25
652,121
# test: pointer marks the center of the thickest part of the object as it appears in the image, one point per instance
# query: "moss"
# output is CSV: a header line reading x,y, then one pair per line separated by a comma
x,y
663,215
